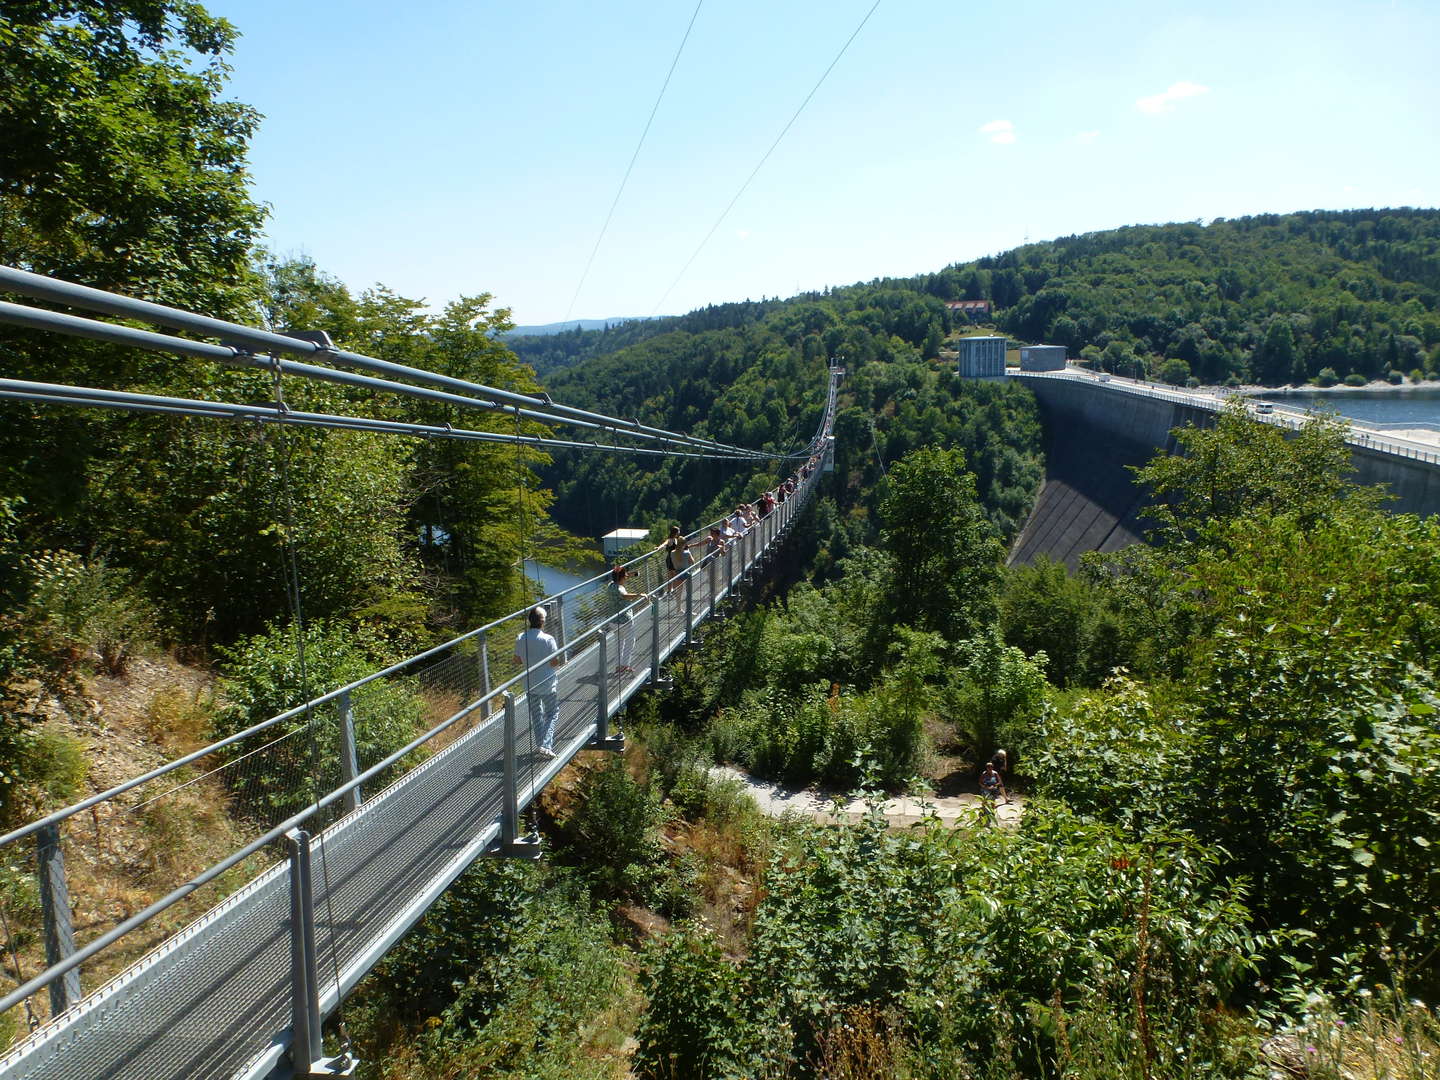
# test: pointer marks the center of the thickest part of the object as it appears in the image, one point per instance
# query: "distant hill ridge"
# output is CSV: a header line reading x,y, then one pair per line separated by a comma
x,y
546,329
1272,299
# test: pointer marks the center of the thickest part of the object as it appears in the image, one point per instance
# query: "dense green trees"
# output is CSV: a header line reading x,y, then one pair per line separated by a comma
x,y
120,163
944,555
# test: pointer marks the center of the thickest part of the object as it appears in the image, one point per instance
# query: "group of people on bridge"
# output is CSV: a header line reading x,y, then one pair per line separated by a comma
x,y
541,655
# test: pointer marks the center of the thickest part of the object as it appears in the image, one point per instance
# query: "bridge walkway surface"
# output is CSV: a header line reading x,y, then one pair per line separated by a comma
x,y
229,993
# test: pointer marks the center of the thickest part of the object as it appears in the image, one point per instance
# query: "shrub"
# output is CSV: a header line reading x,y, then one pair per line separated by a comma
x,y
613,833
89,609
1394,378
261,678
1355,379
696,1026
510,972
1327,377
997,694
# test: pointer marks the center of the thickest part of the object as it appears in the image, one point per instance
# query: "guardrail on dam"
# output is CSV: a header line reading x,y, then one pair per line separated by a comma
x,y
1095,428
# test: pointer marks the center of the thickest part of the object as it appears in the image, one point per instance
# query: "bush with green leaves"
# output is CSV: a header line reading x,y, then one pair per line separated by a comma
x,y
612,834
263,676
89,609
997,693
510,973
982,945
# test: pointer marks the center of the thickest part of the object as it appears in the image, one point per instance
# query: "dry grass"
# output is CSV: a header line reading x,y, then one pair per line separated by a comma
x,y
1389,1038
862,1044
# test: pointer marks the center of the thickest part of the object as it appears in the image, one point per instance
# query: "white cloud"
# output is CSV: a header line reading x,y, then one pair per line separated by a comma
x,y
1000,131
742,234
1165,102
1086,136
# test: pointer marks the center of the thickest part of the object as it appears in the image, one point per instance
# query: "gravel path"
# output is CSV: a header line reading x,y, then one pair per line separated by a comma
x,y
776,800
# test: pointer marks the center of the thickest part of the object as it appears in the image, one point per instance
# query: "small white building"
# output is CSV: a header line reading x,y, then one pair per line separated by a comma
x,y
981,357
612,543
1042,358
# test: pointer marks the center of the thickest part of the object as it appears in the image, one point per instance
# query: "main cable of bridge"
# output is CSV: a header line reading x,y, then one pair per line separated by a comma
x,y
633,158
243,344
766,156
91,397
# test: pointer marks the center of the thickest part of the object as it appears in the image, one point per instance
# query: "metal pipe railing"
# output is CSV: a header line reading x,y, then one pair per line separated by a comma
x,y
40,287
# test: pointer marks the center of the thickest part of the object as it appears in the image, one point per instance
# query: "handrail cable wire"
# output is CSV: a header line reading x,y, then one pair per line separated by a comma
x,y
522,519
765,157
633,158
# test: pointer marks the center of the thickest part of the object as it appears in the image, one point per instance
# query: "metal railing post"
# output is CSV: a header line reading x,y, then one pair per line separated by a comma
x,y
305,1046
55,916
714,596
510,795
484,675
689,608
560,621
729,568
655,638
602,703
349,763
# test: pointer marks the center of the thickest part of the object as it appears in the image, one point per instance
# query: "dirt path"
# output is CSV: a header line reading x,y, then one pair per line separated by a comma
x,y
776,800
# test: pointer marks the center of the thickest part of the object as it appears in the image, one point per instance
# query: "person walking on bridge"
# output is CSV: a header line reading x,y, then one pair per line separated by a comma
x,y
540,655
622,602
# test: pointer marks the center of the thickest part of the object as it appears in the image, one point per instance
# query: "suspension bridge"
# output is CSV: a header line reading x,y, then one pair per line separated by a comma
x,y
333,848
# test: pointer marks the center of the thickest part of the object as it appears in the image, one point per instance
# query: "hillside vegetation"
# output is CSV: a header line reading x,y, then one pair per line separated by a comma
x,y
1272,299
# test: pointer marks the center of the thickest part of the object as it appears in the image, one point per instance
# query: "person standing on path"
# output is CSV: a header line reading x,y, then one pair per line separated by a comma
x,y
535,649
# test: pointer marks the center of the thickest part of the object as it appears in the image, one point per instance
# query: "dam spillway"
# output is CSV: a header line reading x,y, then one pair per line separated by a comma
x,y
1097,428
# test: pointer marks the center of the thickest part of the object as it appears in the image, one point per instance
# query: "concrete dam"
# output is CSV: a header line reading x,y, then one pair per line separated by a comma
x,y
1095,428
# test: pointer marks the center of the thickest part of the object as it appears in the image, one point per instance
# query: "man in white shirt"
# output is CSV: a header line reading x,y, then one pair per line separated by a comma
x,y
539,654
736,524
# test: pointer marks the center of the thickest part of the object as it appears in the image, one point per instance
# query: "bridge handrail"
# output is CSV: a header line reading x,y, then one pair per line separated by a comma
x,y
65,813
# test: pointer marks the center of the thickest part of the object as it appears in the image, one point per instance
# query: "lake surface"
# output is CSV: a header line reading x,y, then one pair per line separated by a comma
x,y
1410,406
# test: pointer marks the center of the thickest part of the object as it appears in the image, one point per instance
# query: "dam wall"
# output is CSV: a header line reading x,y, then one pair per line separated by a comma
x,y
1096,430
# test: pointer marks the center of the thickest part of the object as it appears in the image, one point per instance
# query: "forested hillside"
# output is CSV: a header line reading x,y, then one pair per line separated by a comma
x,y
761,384
1272,299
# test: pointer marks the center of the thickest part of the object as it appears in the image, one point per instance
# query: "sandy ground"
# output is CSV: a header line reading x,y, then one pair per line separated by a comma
x,y
776,800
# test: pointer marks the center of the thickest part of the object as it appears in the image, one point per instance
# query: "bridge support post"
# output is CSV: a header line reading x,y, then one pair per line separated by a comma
x,y
484,659
689,608
55,915
603,739
307,1047
655,605
511,843
714,595
729,570
560,623
349,763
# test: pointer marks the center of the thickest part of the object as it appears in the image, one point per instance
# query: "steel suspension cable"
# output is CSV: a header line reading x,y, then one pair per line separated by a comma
x,y
766,156
633,158
90,397
251,340
76,326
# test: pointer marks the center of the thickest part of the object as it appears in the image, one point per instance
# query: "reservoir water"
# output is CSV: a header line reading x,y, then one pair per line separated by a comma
x,y
1414,407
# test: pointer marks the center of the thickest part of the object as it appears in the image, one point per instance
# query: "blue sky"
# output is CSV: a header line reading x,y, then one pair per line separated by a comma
x,y
444,147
